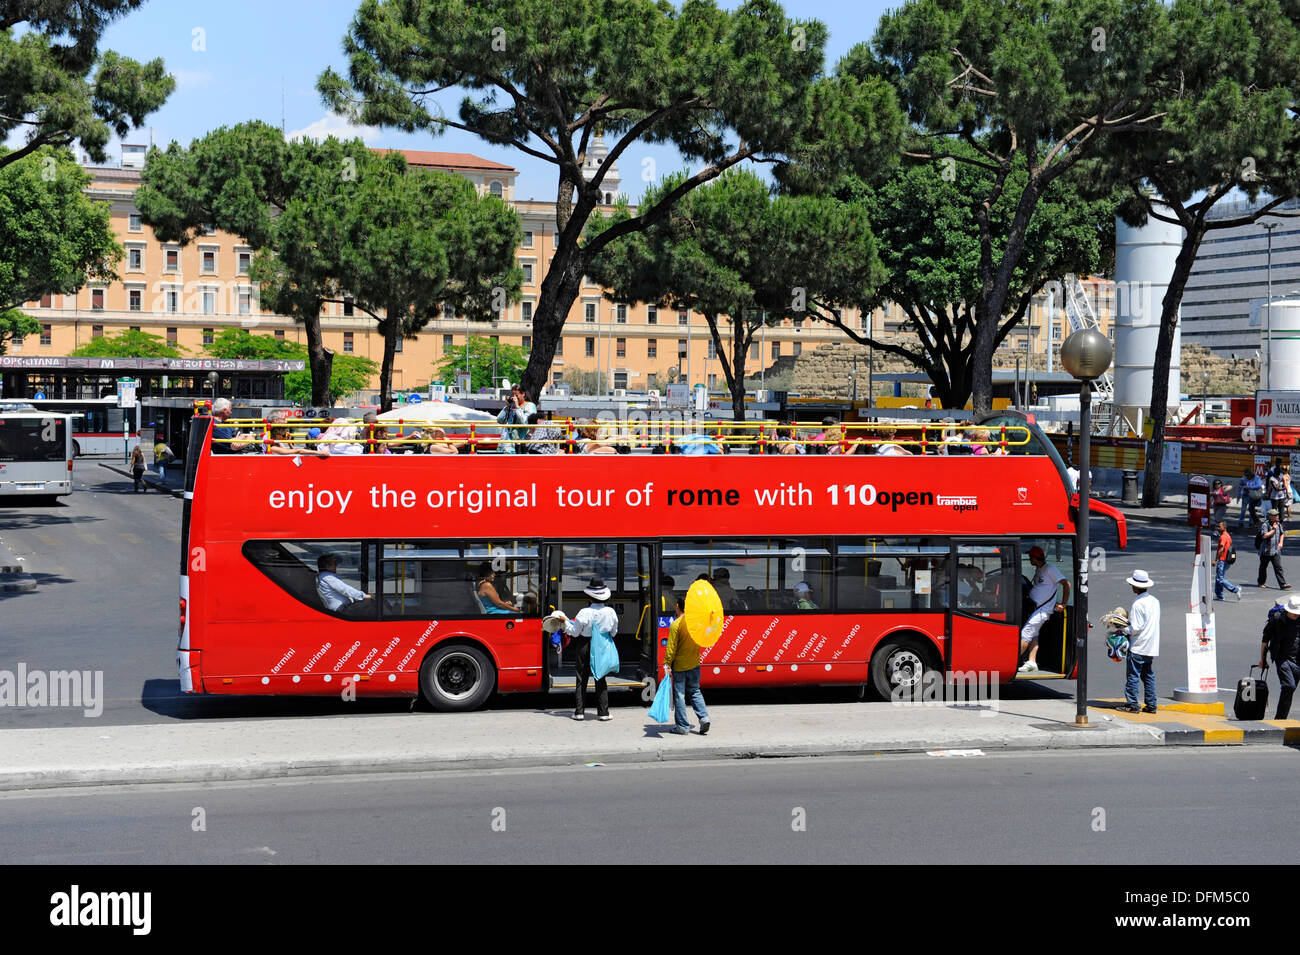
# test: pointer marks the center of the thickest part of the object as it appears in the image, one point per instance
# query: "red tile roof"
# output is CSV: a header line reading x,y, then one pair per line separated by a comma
x,y
419,157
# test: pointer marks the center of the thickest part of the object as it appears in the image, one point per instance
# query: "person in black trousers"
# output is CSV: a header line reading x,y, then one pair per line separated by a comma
x,y
1281,643
1270,552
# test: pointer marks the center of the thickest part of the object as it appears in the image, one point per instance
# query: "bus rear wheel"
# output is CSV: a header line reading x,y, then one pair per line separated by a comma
x,y
898,669
457,677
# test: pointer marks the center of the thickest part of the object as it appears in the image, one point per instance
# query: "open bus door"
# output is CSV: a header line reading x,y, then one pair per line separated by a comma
x,y
629,571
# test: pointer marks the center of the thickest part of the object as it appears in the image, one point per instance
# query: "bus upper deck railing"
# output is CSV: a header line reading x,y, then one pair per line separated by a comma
x,y
567,436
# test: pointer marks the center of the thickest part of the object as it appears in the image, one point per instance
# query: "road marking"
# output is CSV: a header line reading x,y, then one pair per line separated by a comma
x,y
130,538
955,752
174,538
49,541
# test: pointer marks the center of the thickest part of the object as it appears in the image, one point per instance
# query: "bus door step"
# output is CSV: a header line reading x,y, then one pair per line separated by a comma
x,y
567,683
1041,675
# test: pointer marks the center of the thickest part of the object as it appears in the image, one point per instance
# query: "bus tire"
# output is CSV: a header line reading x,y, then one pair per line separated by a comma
x,y
900,663
456,677
76,449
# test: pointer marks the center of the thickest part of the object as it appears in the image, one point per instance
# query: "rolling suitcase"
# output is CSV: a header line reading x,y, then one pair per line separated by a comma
x,y
1252,697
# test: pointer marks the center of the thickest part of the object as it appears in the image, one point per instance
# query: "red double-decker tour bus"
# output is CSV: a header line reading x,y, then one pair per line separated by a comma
x,y
847,569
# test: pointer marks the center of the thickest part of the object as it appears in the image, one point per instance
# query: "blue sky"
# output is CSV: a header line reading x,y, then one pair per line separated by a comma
x,y
231,61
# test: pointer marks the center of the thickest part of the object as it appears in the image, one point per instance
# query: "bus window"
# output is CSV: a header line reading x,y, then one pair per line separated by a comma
x,y
294,566
31,438
438,579
756,576
890,573
983,576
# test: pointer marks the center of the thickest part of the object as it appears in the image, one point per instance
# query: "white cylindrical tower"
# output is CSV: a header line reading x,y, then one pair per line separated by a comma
x,y
1281,318
1144,263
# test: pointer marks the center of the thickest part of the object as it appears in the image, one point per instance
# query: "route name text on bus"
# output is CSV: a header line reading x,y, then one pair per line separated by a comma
x,y
867,495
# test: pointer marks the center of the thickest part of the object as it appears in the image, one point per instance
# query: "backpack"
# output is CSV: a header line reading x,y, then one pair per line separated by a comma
x,y
1232,554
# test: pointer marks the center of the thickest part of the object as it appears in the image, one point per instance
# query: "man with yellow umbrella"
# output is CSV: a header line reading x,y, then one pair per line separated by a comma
x,y
698,624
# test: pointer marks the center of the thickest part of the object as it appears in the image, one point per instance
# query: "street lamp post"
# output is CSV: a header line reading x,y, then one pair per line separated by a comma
x,y
1205,388
1085,354
1266,375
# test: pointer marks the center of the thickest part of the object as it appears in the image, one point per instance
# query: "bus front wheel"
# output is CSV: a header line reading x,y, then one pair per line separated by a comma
x,y
898,669
457,677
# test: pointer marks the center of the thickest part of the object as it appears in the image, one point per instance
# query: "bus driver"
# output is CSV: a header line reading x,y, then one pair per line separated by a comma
x,y
334,593
1042,590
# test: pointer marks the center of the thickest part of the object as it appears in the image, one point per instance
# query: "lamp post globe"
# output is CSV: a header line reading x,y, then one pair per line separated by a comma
x,y
1086,354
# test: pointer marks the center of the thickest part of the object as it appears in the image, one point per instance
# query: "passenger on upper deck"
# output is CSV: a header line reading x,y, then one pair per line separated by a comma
x,y
593,441
438,443
281,438
223,436
887,447
516,412
546,439
341,438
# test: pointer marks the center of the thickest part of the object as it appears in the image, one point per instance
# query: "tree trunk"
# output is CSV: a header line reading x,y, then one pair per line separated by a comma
x,y
390,326
319,359
736,382
560,290
1164,353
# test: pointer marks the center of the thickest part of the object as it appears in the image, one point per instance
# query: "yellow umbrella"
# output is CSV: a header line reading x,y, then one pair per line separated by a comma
x,y
703,615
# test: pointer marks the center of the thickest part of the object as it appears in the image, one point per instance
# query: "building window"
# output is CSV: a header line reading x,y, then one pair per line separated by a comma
x,y
776,349
209,301
16,341
681,348
134,328
713,350
798,347
279,334
557,377
173,300
47,334
47,301
133,298
171,336
496,189
559,347
713,382
526,342
245,262
528,273
347,342
97,299
589,312
173,261
245,303
753,350
207,336
96,331
209,262
348,302
135,260
135,222
620,380
652,348
620,348
652,314
528,311
397,346
683,318
591,348
446,343
448,311
528,238
620,314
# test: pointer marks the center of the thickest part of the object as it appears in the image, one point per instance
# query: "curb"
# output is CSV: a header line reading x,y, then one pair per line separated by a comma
x,y
152,485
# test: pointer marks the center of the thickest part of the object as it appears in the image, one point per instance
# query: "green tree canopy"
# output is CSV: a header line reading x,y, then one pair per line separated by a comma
x,y
723,86
56,87
16,324
728,250
927,223
128,344
1035,86
489,362
53,239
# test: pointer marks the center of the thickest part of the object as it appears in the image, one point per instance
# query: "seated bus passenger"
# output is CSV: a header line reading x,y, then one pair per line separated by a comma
x,y
887,446
334,593
487,592
341,438
439,443
546,439
593,441
281,438
803,597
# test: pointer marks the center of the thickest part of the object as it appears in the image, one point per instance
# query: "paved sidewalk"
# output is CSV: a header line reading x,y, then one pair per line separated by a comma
x,y
213,750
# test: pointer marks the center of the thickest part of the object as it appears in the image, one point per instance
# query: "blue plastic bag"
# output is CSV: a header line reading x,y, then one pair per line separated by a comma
x,y
661,710
604,655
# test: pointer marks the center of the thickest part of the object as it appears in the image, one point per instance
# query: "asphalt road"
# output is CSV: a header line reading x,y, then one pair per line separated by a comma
x,y
1205,808
107,563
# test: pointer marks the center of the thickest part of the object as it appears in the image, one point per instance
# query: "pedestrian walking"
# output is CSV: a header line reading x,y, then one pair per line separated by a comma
x,y
1277,492
137,470
682,660
1225,555
1281,643
1252,494
1271,538
162,456
1144,644
1220,498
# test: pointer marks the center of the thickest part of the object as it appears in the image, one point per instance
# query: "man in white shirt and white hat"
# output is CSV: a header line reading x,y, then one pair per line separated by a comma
x,y
597,616
1144,644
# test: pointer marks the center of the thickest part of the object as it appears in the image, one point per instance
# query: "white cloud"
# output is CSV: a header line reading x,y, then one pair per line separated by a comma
x,y
332,124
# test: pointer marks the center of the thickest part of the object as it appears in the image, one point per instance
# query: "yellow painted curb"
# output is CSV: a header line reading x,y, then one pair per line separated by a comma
x,y
1224,736
1206,709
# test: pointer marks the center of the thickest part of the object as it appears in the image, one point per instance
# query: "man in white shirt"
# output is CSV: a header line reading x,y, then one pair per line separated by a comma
x,y
1144,644
333,592
1042,591
597,616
